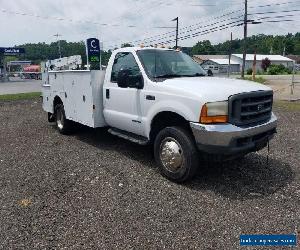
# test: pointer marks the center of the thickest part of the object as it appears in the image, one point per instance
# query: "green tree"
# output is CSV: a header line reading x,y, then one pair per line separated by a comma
x,y
265,63
105,55
203,47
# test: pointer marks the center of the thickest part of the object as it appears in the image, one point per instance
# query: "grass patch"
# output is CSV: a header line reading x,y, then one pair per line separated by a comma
x,y
21,96
286,105
258,79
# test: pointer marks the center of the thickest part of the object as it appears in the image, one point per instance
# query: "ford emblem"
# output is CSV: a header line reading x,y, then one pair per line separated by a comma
x,y
260,107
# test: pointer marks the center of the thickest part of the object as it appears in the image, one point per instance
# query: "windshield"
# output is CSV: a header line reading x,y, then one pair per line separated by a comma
x,y
168,64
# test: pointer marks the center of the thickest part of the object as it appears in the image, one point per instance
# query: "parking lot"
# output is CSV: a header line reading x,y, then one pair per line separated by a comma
x,y
95,191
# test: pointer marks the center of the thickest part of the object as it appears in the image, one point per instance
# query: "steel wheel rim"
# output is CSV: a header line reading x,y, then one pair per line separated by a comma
x,y
171,155
59,119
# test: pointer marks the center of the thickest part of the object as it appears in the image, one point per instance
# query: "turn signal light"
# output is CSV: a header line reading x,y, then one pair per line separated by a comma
x,y
205,119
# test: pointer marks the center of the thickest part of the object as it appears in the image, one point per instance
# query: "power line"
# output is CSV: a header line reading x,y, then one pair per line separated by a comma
x,y
221,21
216,18
212,30
269,17
198,28
72,20
279,21
234,12
190,34
220,26
273,12
166,35
273,4
277,4
190,31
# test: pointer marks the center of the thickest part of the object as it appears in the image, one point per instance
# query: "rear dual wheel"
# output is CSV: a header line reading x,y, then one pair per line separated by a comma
x,y
64,126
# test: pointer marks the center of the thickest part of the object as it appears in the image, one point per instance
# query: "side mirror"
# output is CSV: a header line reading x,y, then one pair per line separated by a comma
x,y
125,80
138,81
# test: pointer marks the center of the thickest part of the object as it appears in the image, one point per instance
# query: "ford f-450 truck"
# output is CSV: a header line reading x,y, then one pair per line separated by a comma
x,y
163,98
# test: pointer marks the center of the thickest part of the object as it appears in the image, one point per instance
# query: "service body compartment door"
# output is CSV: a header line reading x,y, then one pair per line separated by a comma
x,y
70,98
80,97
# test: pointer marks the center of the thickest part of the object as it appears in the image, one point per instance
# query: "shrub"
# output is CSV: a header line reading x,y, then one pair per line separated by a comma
x,y
289,71
249,72
278,70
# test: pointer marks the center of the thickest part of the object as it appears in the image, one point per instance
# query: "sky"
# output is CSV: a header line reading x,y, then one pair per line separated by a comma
x,y
121,21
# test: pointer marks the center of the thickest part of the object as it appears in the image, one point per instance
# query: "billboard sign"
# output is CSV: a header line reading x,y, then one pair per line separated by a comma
x,y
12,51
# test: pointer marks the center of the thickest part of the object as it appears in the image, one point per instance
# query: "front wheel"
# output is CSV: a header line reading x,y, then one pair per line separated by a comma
x,y
176,154
63,125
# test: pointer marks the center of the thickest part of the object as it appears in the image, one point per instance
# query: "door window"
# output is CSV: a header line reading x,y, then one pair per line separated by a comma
x,y
124,61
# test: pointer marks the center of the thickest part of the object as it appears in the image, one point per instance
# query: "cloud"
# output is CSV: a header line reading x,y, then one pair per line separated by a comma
x,y
119,14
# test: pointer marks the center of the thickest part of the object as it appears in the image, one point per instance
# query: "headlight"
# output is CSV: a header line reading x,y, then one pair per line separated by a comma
x,y
214,112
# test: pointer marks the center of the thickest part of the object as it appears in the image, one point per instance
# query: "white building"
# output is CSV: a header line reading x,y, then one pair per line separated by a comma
x,y
220,66
275,59
202,58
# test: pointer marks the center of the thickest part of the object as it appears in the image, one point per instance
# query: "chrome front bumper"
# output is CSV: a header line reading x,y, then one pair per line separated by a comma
x,y
230,139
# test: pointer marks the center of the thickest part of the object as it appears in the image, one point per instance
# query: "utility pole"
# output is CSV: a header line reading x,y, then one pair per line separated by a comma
x,y
58,41
229,58
177,22
254,65
245,38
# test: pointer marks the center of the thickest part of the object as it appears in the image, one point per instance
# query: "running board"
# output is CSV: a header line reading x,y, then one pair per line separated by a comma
x,y
141,140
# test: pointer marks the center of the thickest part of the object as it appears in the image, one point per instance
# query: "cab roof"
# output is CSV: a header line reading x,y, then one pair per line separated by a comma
x,y
134,49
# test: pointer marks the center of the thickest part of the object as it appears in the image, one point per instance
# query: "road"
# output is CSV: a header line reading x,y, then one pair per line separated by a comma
x,y
280,85
92,190
16,86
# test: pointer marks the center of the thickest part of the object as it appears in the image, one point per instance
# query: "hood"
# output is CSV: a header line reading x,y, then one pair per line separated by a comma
x,y
213,88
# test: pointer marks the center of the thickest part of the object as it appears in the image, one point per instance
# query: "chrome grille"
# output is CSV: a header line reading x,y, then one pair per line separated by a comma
x,y
250,108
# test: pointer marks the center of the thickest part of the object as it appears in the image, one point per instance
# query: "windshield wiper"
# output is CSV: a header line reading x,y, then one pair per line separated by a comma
x,y
177,75
194,75
167,76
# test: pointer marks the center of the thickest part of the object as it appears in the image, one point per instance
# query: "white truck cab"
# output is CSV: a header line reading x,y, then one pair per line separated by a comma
x,y
162,97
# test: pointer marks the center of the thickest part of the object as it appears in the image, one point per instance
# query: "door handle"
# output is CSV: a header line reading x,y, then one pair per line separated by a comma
x,y
107,94
150,97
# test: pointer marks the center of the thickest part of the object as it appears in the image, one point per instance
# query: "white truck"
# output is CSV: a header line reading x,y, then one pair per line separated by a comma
x,y
162,97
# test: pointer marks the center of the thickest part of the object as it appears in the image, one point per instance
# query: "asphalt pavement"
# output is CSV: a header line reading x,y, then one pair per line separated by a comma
x,y
92,190
17,85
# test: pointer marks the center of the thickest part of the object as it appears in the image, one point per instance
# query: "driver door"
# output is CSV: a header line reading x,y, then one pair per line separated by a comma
x,y
122,106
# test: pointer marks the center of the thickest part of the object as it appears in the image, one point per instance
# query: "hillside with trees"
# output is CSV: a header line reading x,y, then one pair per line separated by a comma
x,y
37,52
264,44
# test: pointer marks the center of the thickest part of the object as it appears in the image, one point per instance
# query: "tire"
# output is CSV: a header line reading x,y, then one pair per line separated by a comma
x,y
64,126
176,154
